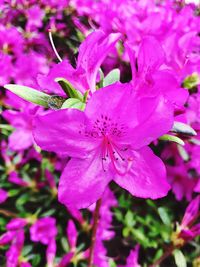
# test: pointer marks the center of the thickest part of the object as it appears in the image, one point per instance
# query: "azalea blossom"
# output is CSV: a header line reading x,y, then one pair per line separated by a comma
x,y
187,230
92,53
108,142
3,195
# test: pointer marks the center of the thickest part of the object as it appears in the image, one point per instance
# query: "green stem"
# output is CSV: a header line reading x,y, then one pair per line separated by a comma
x,y
166,254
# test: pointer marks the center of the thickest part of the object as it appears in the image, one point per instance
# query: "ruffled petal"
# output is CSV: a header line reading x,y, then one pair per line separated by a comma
x,y
146,177
83,182
158,122
62,132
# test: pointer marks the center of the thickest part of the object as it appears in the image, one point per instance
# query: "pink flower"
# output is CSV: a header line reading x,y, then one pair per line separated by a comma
x,y
187,230
92,53
16,224
108,141
14,251
132,260
15,179
152,73
3,196
44,230
21,138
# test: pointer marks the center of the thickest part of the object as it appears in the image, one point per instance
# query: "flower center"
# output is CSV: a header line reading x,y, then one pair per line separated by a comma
x,y
117,156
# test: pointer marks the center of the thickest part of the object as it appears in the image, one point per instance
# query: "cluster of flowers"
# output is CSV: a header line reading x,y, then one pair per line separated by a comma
x,y
135,82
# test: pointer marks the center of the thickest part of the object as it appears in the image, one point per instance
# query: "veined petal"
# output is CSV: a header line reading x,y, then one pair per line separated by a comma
x,y
146,177
158,122
114,101
92,53
83,182
191,212
151,54
62,132
20,139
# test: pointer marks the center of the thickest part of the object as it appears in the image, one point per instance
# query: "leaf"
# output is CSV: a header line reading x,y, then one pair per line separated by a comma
x,y
112,77
55,102
112,263
69,89
29,94
129,219
183,153
191,81
100,85
73,103
48,213
26,250
179,258
172,138
6,127
164,215
182,128
65,244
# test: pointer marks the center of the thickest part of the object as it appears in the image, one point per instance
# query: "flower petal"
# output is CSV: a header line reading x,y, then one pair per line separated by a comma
x,y
158,122
92,53
147,176
60,132
20,139
83,182
191,212
150,58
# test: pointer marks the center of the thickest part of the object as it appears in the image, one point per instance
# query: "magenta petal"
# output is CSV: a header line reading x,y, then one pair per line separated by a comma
x,y
72,234
115,101
151,55
59,132
92,53
20,139
16,224
191,211
159,122
3,195
196,230
83,182
147,176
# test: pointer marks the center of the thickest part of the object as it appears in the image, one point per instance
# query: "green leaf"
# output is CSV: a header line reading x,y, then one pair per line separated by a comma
x,y
179,258
182,128
172,138
48,213
85,96
191,81
73,103
65,244
112,77
55,101
100,84
26,250
29,94
23,199
112,263
13,192
164,215
183,153
129,219
69,89
6,127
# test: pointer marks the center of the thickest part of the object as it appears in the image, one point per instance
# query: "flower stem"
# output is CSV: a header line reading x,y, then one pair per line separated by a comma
x,y
166,254
94,231
8,213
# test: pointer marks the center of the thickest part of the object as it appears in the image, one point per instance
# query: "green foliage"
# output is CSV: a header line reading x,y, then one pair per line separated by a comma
x,y
29,94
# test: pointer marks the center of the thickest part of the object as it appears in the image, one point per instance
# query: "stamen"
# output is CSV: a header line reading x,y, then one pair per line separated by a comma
x,y
53,46
114,160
